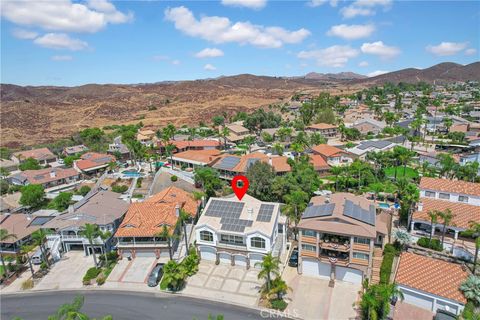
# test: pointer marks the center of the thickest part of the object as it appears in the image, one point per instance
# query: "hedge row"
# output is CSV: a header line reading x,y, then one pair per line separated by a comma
x,y
435,244
389,253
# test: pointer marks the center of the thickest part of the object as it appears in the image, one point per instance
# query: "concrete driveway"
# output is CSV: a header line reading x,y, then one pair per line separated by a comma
x,y
311,298
233,284
67,273
135,271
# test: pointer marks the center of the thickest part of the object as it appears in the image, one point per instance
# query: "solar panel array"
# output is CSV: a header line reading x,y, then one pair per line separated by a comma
x,y
265,212
322,210
229,213
377,144
40,221
358,213
227,163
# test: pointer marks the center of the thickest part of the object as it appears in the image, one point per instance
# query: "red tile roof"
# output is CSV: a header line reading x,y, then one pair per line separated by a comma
x,y
91,160
322,126
48,175
318,162
204,156
326,150
461,187
38,154
463,213
431,275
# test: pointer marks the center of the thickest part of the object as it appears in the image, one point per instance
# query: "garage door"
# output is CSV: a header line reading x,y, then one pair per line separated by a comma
x,y
256,259
348,275
311,267
75,247
417,299
441,305
225,258
240,260
208,253
147,254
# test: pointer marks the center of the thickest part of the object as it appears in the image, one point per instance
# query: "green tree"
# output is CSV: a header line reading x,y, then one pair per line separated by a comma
x,y
316,138
224,133
4,235
91,232
5,153
209,180
475,229
105,235
68,161
29,164
24,251
61,202
433,215
71,311
296,202
447,164
39,237
173,275
165,235
184,217
446,217
278,148
218,120
84,190
33,195
471,289
375,302
261,176
279,287
448,123
268,266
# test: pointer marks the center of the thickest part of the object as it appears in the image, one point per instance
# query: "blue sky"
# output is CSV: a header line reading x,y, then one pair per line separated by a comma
x,y
70,43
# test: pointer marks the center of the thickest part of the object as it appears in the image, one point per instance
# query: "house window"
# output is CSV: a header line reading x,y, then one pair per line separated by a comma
x,y
206,236
463,199
430,194
257,242
445,196
309,247
361,240
309,233
362,256
231,239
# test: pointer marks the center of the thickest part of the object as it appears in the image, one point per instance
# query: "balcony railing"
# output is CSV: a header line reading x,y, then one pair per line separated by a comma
x,y
307,239
231,245
361,247
334,260
335,246
362,262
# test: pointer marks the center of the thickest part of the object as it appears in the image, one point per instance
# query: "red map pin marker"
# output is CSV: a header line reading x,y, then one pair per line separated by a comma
x,y
240,186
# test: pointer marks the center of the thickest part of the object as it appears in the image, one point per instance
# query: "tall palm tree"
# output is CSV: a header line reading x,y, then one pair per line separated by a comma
x,y
24,250
169,152
224,134
296,202
248,142
433,219
105,235
4,235
336,171
475,227
39,237
183,218
165,234
278,148
447,217
269,266
91,232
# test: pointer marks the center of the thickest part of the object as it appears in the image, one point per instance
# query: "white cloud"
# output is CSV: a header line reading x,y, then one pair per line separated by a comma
x,y
351,32
63,15
62,58
175,62
24,34
209,53
252,4
221,29
363,64
364,8
209,67
447,48
470,52
318,3
334,56
60,41
380,49
377,73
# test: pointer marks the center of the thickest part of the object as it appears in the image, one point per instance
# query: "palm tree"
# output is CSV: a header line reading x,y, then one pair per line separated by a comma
x,y
169,152
296,202
224,133
39,237
183,218
269,266
336,171
24,250
475,227
470,289
278,148
433,219
248,142
91,232
165,234
4,235
105,235
279,288
447,217
173,275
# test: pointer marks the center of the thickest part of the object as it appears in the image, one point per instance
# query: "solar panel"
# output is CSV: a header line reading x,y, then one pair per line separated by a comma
x,y
40,221
322,210
265,212
229,213
232,227
358,213
377,144
227,163
250,162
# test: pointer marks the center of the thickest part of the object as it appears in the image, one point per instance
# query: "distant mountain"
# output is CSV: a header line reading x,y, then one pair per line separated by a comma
x,y
443,72
334,76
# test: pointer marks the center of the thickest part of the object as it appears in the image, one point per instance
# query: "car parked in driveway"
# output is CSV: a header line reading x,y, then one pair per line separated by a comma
x,y
293,261
155,275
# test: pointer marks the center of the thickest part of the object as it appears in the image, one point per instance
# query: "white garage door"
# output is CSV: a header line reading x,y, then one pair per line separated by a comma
x,y
208,253
417,299
348,275
225,258
256,259
447,306
145,254
240,260
311,267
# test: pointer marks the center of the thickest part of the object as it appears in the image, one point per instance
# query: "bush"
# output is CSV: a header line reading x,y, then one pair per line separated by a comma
x,y
84,190
434,244
27,284
137,195
101,279
43,265
112,256
173,178
467,233
190,263
389,253
92,273
139,182
119,189
278,304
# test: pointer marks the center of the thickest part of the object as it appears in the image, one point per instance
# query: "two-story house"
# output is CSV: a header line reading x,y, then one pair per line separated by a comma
x,y
332,155
325,129
337,235
237,132
43,155
240,232
48,178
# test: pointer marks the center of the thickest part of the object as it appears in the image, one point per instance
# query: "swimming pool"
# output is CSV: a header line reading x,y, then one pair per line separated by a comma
x,y
383,205
131,173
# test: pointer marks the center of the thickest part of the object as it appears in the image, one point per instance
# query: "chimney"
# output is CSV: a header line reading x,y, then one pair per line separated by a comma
x,y
53,174
270,161
177,211
250,213
203,202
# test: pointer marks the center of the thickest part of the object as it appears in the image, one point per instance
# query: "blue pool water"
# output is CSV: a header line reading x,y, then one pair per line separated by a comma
x,y
131,173
384,205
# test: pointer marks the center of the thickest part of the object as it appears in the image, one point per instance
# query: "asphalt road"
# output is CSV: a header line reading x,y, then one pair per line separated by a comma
x,y
121,306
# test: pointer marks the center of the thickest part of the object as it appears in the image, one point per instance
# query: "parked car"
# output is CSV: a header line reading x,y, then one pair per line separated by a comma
x,y
445,315
293,261
37,257
155,275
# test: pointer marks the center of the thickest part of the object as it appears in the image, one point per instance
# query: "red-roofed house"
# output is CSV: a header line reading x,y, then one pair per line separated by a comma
x,y
49,177
186,145
92,162
332,155
430,283
42,155
325,129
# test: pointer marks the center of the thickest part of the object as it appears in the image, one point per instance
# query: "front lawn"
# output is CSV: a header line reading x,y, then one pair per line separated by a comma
x,y
409,172
1,271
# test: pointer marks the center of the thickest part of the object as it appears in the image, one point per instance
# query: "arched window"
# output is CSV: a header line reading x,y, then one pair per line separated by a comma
x,y
206,236
257,242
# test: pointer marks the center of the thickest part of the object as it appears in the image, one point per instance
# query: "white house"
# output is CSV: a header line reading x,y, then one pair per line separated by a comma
x,y
449,190
367,146
240,232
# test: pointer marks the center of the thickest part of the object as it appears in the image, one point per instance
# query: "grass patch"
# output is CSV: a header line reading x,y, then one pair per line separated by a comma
x,y
409,172
2,271
163,284
389,254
